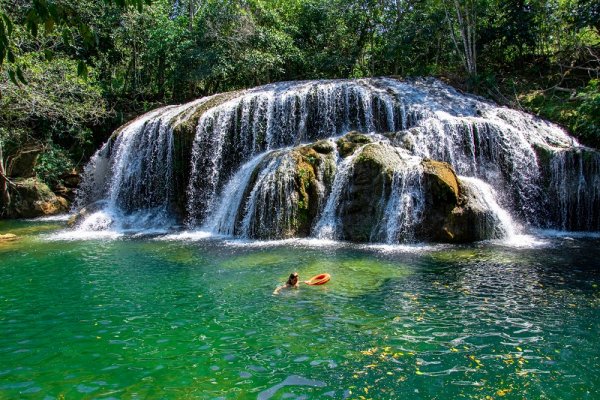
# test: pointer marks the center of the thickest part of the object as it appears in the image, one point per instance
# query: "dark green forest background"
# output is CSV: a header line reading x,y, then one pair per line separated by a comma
x,y
72,71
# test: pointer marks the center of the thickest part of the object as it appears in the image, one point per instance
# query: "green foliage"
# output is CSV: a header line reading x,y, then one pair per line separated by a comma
x,y
580,114
53,163
586,123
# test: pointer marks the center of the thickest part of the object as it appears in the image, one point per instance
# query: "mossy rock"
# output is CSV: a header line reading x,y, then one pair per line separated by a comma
x,y
442,181
32,198
370,182
469,221
308,161
348,143
323,147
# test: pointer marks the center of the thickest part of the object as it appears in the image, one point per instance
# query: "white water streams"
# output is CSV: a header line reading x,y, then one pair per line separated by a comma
x,y
328,225
498,223
225,216
406,205
131,176
238,185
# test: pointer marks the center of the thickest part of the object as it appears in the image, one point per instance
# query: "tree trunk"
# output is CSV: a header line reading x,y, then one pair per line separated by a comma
x,y
4,193
466,24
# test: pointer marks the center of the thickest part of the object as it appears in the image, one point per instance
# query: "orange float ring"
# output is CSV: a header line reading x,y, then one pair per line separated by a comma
x,y
318,279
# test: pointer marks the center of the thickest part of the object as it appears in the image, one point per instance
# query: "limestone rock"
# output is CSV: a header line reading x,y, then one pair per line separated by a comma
x,y
350,142
369,183
33,198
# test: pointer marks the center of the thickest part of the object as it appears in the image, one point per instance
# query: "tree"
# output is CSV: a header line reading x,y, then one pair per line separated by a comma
x,y
461,16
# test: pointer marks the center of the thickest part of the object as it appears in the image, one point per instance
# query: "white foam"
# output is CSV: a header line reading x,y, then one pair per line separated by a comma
x,y
522,241
190,236
51,218
76,235
404,248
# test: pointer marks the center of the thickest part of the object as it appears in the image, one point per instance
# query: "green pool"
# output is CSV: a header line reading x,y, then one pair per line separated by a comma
x,y
157,317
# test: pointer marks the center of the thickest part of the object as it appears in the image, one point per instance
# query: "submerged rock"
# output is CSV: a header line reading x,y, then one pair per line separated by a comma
x,y
8,237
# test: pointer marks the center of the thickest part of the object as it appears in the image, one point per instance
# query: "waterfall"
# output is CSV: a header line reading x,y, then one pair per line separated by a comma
x,y
276,116
575,184
131,176
497,223
269,212
225,216
405,207
328,225
230,163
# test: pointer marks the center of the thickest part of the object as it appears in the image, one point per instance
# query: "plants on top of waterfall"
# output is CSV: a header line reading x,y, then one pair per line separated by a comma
x,y
579,113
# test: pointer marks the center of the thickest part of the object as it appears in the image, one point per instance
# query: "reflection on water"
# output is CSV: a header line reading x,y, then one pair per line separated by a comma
x,y
195,317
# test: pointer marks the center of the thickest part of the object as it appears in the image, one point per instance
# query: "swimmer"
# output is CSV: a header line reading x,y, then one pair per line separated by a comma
x,y
292,282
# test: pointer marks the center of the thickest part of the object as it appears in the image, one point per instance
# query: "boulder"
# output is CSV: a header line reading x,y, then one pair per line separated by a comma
x,y
32,198
369,182
472,220
348,143
442,194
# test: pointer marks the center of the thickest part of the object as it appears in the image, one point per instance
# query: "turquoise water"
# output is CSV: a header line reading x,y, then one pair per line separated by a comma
x,y
149,318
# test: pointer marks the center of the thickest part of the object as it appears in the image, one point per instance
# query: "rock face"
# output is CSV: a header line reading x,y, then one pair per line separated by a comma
x,y
443,196
32,198
369,185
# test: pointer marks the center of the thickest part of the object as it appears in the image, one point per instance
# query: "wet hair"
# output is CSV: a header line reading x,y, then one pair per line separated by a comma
x,y
293,276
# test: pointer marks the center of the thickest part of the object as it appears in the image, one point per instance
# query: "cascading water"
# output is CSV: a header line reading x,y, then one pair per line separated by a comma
x,y
404,209
130,179
497,223
245,173
276,116
328,225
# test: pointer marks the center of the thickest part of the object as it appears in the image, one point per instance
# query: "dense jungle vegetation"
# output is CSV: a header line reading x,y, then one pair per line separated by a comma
x,y
72,71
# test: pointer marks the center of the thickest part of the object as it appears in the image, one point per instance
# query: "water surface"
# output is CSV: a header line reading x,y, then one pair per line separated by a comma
x,y
157,317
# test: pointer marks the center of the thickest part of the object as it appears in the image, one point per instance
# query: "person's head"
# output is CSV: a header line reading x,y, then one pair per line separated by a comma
x,y
293,279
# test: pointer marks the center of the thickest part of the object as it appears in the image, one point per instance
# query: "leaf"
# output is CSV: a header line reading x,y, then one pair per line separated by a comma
x,y
20,75
49,25
7,23
33,28
82,70
12,76
10,56
67,36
